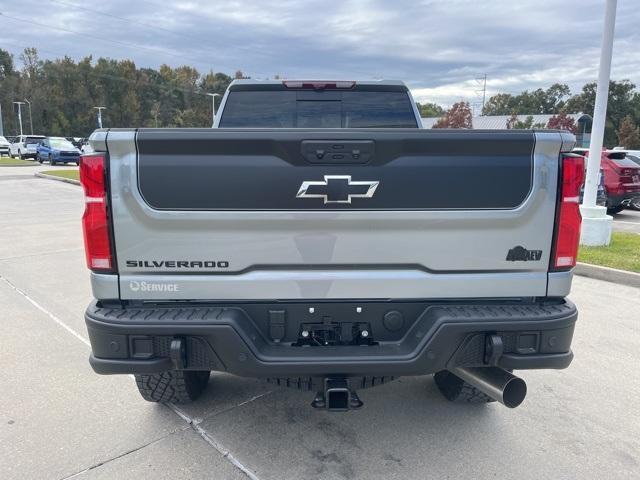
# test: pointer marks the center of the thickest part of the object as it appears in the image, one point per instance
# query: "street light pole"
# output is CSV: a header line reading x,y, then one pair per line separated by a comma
x,y
1,124
596,224
100,115
213,107
30,117
20,114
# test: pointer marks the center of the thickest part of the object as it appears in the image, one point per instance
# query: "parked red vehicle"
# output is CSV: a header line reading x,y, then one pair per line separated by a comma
x,y
621,178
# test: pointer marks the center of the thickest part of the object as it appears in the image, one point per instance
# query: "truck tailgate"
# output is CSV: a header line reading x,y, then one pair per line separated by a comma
x,y
222,214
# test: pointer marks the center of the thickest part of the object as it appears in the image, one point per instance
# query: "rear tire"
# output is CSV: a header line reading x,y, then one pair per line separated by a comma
x,y
175,386
454,389
614,210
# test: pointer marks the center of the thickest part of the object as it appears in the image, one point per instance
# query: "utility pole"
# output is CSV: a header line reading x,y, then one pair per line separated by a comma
x,y
484,91
213,107
1,125
100,115
20,114
30,117
482,83
155,111
596,224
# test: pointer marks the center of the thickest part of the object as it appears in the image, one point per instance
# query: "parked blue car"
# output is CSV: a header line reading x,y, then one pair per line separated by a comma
x,y
57,150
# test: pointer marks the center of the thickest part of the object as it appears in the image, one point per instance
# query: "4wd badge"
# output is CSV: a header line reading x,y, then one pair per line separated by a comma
x,y
521,254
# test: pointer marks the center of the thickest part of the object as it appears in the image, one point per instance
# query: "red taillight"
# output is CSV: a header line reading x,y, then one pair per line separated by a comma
x,y
316,85
569,219
95,224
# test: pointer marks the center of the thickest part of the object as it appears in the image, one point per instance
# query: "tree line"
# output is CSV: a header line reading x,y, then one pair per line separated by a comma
x,y
623,110
63,93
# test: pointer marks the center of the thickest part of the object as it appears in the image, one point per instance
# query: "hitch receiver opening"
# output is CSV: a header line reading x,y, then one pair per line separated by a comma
x,y
337,396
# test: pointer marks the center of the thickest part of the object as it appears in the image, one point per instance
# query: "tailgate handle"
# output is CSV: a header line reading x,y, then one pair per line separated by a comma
x,y
341,152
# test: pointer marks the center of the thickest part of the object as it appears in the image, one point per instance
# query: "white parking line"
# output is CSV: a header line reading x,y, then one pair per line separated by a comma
x,y
624,221
47,312
39,254
193,422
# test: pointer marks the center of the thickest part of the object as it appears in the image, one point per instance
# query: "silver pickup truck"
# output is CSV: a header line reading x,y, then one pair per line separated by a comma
x,y
319,238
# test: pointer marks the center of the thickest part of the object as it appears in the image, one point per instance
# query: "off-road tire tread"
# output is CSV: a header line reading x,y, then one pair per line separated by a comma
x,y
175,386
455,389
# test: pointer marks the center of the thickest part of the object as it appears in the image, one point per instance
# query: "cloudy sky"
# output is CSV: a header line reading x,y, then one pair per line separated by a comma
x,y
439,47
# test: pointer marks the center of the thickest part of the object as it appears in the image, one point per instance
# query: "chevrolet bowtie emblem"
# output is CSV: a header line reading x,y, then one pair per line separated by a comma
x,y
337,189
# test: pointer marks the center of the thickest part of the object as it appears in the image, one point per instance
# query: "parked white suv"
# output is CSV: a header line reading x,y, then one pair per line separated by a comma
x,y
24,146
4,146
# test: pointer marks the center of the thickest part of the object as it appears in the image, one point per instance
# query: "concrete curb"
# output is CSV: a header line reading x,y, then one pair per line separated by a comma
x,y
58,179
19,166
607,274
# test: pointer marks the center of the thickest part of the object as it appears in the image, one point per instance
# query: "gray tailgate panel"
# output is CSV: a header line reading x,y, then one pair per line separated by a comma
x,y
324,252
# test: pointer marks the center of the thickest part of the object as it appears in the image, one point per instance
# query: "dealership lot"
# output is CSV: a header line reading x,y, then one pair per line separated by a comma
x,y
627,221
58,419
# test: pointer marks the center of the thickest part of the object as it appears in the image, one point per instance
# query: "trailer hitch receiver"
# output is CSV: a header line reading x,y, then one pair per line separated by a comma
x,y
337,396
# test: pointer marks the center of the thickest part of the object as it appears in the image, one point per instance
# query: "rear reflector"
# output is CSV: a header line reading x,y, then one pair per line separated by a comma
x,y
316,85
95,225
569,219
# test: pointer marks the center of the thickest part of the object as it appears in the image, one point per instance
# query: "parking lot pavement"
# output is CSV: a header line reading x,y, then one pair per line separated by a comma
x,y
58,419
627,221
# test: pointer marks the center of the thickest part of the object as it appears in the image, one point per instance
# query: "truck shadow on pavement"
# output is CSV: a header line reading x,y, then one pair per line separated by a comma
x,y
403,425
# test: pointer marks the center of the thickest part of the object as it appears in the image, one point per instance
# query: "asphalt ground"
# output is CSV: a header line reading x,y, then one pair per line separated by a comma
x,y
627,221
60,420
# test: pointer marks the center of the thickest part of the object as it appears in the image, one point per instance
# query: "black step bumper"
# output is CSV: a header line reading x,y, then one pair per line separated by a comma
x,y
232,339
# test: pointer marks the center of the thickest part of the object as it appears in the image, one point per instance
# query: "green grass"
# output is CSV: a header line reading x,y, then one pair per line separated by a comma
x,y
72,174
623,253
15,161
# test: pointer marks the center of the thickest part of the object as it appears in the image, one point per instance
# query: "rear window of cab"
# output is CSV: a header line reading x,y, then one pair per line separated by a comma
x,y
311,109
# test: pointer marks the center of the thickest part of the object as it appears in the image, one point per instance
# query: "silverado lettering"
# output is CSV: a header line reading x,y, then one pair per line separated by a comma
x,y
176,264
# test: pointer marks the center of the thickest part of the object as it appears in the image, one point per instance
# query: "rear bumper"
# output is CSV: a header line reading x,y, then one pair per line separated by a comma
x,y
236,340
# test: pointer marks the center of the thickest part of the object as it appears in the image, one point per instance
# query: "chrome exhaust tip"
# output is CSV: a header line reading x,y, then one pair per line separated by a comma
x,y
495,382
